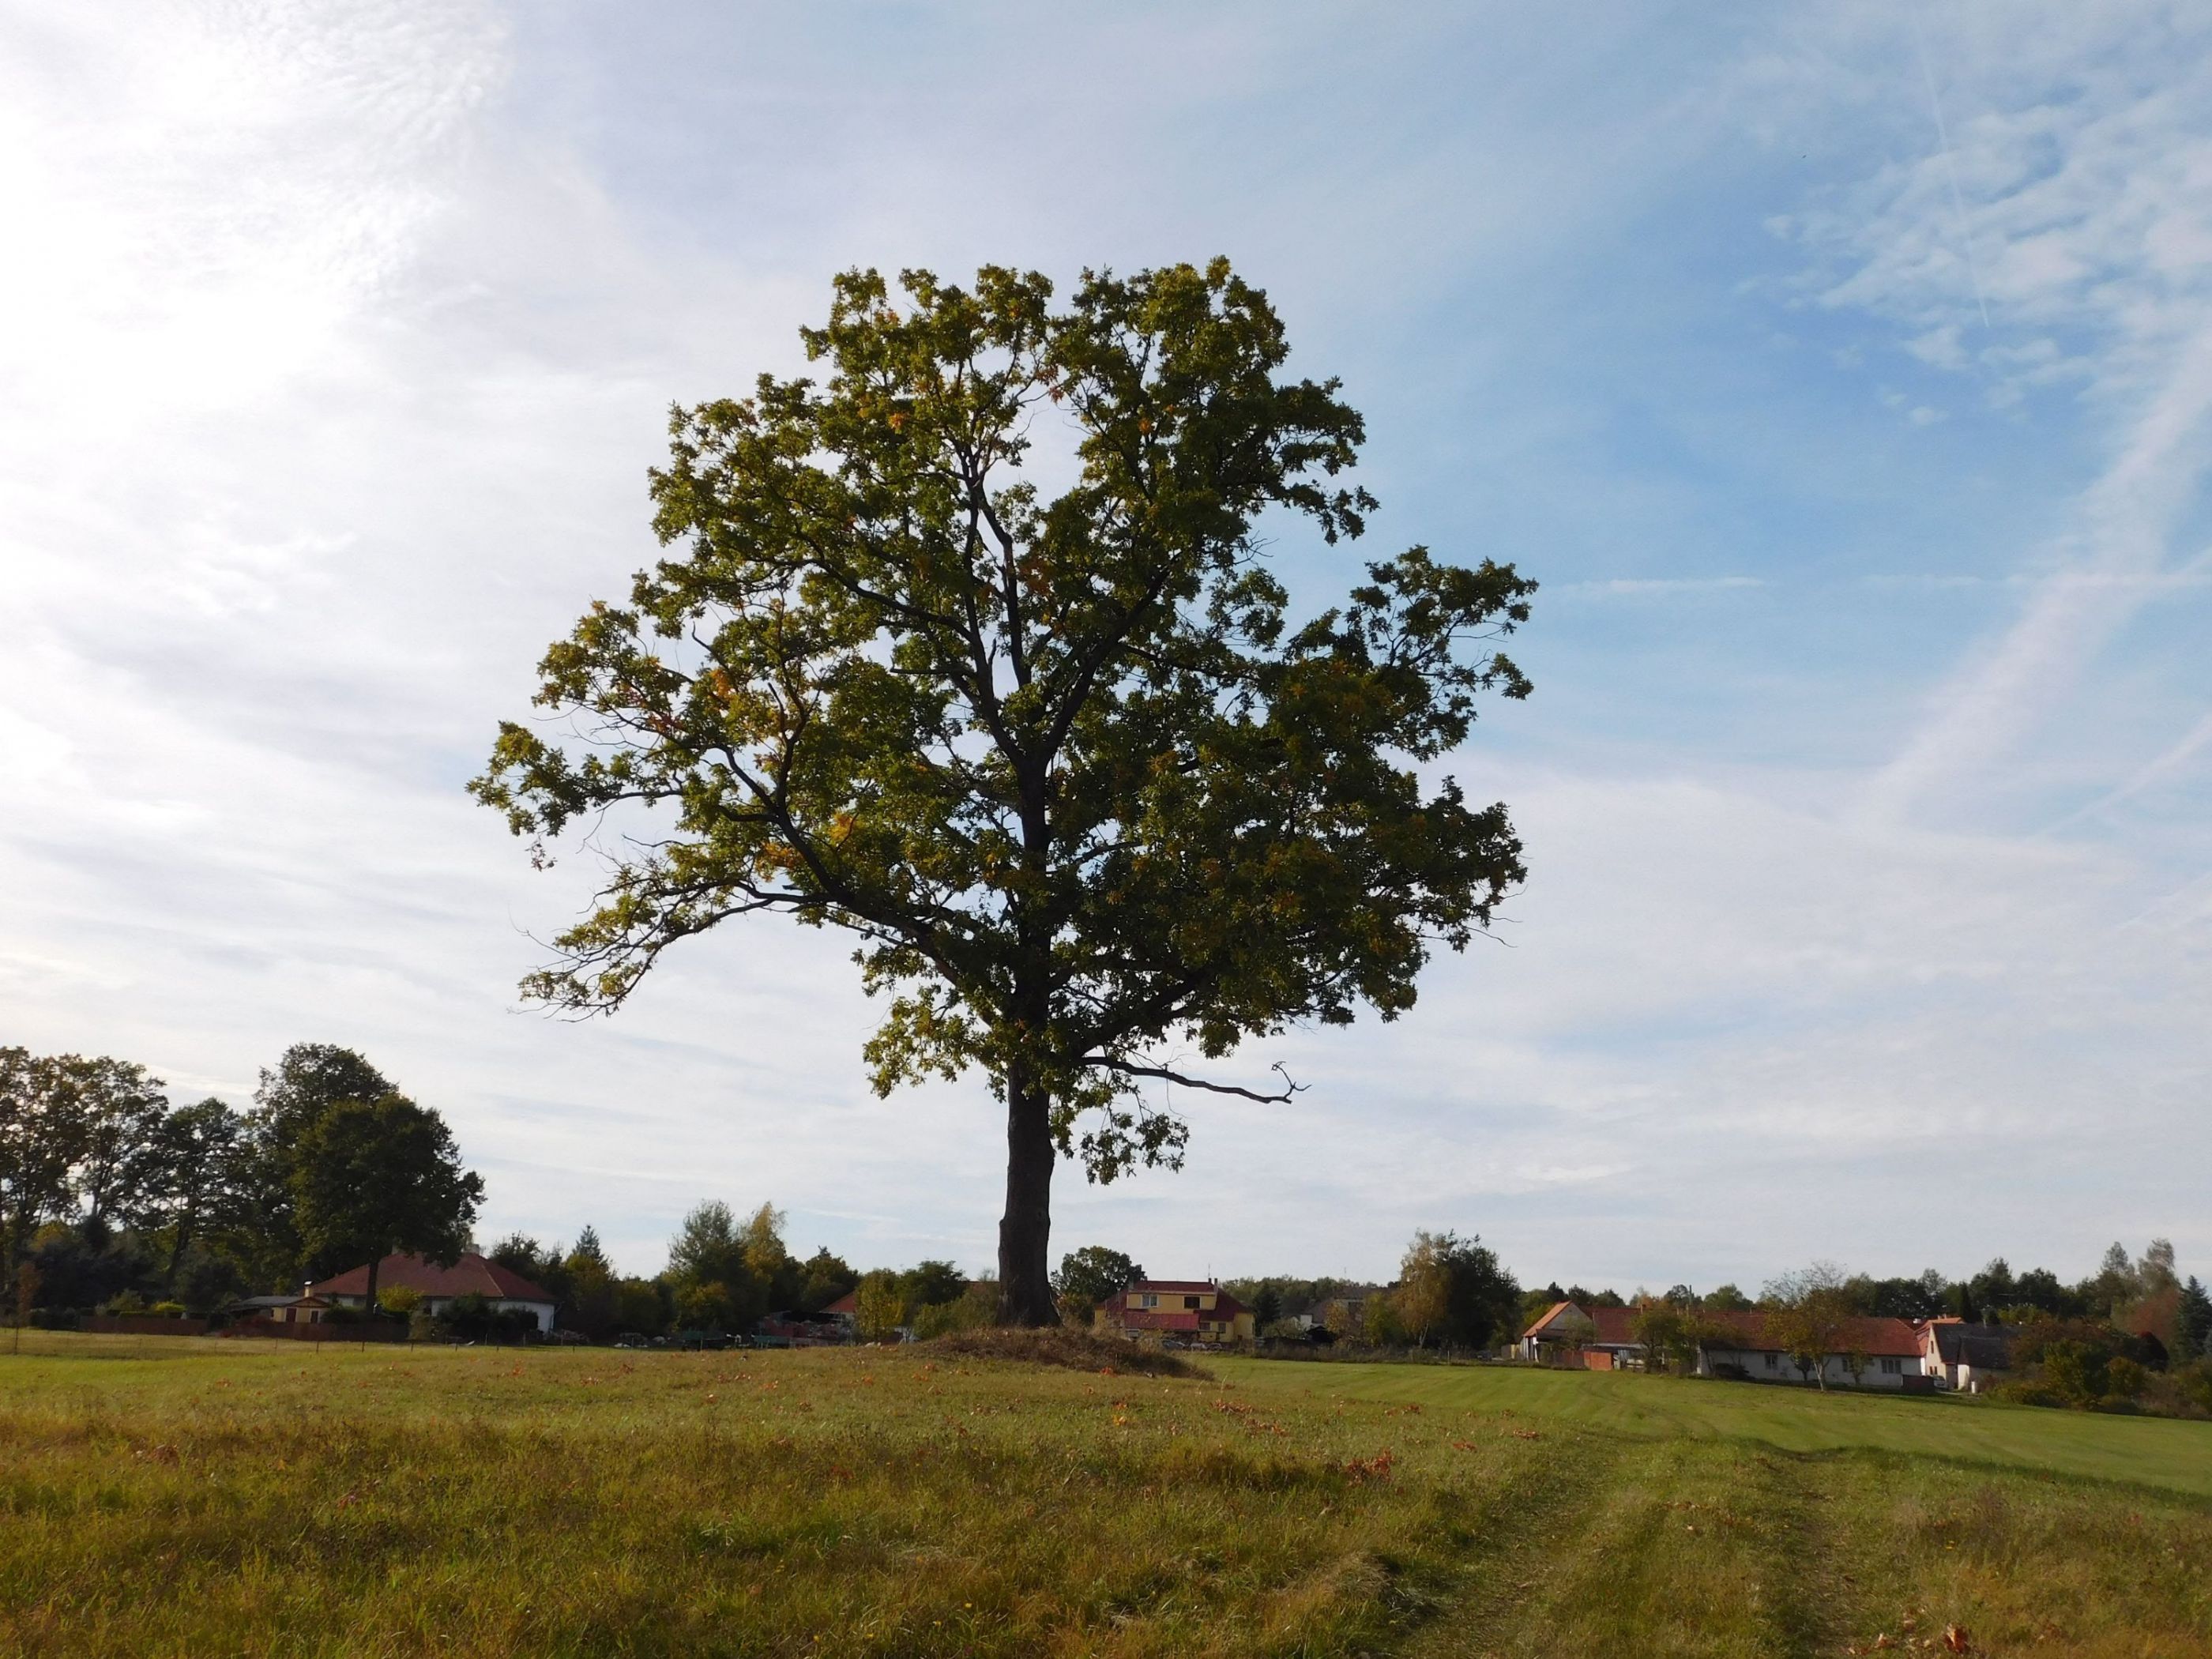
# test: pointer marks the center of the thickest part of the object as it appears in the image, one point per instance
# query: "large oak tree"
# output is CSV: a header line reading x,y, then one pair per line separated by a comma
x,y
1089,797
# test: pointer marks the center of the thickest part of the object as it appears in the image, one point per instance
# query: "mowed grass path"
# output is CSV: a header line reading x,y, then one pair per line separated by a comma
x,y
226,1500
1973,1434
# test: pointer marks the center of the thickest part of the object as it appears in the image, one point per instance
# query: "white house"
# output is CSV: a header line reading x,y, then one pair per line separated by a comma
x,y
1869,1353
439,1287
1863,1353
1965,1356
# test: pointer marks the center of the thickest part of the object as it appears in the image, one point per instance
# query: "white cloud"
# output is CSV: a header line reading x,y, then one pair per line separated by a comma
x,y
346,372
2079,172
1632,586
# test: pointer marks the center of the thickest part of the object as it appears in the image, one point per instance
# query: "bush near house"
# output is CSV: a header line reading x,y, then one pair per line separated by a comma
x,y
472,1318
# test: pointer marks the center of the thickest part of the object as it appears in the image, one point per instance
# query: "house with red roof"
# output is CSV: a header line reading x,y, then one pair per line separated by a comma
x,y
1181,1309
472,1275
1592,1339
1873,1353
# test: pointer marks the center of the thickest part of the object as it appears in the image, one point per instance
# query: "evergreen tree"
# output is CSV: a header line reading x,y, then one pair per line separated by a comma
x,y
594,1298
2193,1322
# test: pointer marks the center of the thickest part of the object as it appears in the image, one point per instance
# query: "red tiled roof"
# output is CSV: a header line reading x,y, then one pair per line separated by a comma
x,y
1177,1286
470,1276
1875,1338
1611,1328
848,1303
1163,1319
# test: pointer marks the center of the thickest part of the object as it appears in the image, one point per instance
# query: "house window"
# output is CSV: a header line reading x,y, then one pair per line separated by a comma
x,y
1151,1301
1892,1367
1774,1362
1190,1302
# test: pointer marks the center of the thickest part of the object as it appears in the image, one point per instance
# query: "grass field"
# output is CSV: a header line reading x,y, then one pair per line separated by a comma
x,y
219,1499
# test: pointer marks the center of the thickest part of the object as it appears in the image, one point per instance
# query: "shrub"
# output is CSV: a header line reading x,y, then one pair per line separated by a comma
x,y
401,1299
168,1311
977,1307
879,1307
472,1318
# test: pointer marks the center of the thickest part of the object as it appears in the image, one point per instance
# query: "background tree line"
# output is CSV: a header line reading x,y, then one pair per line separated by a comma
x,y
108,1191
2133,1336
2143,1293
726,1274
1451,1292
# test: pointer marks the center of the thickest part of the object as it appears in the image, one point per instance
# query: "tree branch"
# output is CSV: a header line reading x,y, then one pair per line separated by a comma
x,y
1123,1069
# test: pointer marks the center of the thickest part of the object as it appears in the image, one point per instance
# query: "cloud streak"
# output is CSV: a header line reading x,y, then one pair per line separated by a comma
x,y
358,333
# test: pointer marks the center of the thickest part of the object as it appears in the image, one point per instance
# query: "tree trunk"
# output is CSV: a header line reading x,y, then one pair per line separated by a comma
x,y
178,1246
1026,1229
369,1308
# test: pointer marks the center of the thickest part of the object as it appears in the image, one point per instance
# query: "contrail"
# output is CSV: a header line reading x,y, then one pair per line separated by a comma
x,y
1950,166
2197,738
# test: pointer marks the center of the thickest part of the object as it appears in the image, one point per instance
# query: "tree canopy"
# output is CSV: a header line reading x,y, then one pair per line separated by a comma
x,y
376,1176
1065,764
1089,1278
307,1081
1453,1290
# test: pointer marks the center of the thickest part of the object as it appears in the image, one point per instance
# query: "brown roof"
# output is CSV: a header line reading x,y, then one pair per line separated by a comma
x,y
470,1276
1548,1316
848,1303
1875,1338
1611,1328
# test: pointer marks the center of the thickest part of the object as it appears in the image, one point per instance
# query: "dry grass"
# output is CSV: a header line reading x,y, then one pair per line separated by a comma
x,y
1067,1349
918,1502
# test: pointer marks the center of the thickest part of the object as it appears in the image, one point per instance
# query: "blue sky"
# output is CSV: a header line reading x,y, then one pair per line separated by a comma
x,y
1843,373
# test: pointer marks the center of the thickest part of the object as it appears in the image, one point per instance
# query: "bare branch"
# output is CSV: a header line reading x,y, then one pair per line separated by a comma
x,y
1123,1069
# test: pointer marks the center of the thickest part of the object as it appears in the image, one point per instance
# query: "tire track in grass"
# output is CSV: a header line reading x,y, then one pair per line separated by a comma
x,y
1510,1545
1807,1604
1683,1548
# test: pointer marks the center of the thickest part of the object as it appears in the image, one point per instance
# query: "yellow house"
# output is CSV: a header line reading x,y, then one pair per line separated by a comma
x,y
1192,1310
